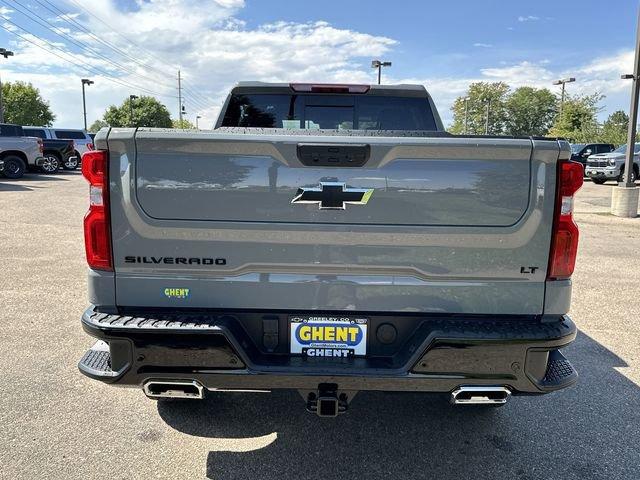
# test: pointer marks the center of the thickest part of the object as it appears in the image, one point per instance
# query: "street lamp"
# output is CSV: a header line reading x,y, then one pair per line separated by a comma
x,y
198,117
6,54
466,114
87,82
131,99
486,123
378,64
563,82
624,197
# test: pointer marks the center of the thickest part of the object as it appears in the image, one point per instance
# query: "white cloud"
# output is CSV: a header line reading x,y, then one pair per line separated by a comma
x,y
216,50
528,18
601,75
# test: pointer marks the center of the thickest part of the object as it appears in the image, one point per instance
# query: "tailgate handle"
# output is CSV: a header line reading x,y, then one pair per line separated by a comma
x,y
333,155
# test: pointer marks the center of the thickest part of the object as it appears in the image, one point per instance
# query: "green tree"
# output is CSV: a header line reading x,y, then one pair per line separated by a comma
x,y
23,105
530,111
614,129
577,122
147,112
184,124
475,105
97,125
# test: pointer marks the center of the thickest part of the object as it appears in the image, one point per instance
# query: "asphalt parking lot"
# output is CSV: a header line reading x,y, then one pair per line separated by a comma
x,y
55,423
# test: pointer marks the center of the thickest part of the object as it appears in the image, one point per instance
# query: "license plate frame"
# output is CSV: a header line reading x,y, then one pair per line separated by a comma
x,y
328,336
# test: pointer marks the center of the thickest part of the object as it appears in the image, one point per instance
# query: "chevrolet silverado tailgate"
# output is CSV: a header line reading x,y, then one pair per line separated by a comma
x,y
329,221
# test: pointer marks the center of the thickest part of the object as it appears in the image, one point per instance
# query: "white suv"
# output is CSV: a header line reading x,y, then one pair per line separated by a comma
x,y
81,138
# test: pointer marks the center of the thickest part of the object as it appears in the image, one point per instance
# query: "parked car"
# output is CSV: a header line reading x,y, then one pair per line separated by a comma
x,y
59,154
330,239
581,151
18,152
83,141
610,166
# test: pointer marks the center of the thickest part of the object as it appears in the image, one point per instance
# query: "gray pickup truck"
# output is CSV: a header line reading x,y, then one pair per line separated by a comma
x,y
610,166
330,239
17,152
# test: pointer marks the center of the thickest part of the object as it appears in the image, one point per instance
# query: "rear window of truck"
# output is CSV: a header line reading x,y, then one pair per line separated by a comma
x,y
334,112
70,134
34,132
7,130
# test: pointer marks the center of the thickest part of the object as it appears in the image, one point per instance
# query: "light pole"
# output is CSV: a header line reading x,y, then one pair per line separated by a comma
x,y
633,120
6,54
486,123
378,64
624,197
563,82
131,99
466,114
87,82
198,117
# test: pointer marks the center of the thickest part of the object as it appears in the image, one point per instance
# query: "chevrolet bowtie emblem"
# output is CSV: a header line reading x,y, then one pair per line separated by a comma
x,y
333,196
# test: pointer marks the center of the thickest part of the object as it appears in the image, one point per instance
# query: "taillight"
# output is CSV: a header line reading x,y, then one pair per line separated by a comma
x,y
97,236
564,240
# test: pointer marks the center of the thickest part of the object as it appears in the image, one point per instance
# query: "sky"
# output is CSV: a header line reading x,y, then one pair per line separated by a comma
x,y
136,47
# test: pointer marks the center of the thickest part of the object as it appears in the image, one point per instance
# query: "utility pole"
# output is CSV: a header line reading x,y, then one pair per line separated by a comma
x,y
563,82
466,115
198,117
179,98
486,123
624,197
131,99
6,54
87,82
378,64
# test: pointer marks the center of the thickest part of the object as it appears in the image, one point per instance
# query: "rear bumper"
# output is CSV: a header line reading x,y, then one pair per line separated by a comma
x,y
441,354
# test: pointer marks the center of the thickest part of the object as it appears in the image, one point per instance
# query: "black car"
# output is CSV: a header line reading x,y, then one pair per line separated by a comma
x,y
581,151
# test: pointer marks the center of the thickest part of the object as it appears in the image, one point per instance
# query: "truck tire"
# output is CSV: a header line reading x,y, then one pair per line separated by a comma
x,y
598,181
71,163
14,167
634,174
51,163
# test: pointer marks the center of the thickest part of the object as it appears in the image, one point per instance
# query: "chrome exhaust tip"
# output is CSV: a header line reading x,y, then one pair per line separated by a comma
x,y
173,389
480,395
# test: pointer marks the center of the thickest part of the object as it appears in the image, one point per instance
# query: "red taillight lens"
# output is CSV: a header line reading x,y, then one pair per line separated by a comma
x,y
90,146
564,240
97,236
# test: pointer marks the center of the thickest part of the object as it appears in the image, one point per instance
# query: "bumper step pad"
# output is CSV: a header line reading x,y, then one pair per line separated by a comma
x,y
559,371
96,362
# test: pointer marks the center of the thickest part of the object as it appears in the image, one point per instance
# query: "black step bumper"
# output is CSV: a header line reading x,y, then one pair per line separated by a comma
x,y
438,355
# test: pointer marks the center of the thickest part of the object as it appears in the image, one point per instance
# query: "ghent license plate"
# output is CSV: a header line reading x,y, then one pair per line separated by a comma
x,y
328,336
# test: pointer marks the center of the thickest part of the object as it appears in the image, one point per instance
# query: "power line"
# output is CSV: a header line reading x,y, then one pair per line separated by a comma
x,y
73,61
202,101
88,12
199,101
49,26
71,21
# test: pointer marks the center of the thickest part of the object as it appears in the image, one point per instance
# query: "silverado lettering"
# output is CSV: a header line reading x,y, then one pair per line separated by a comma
x,y
176,260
